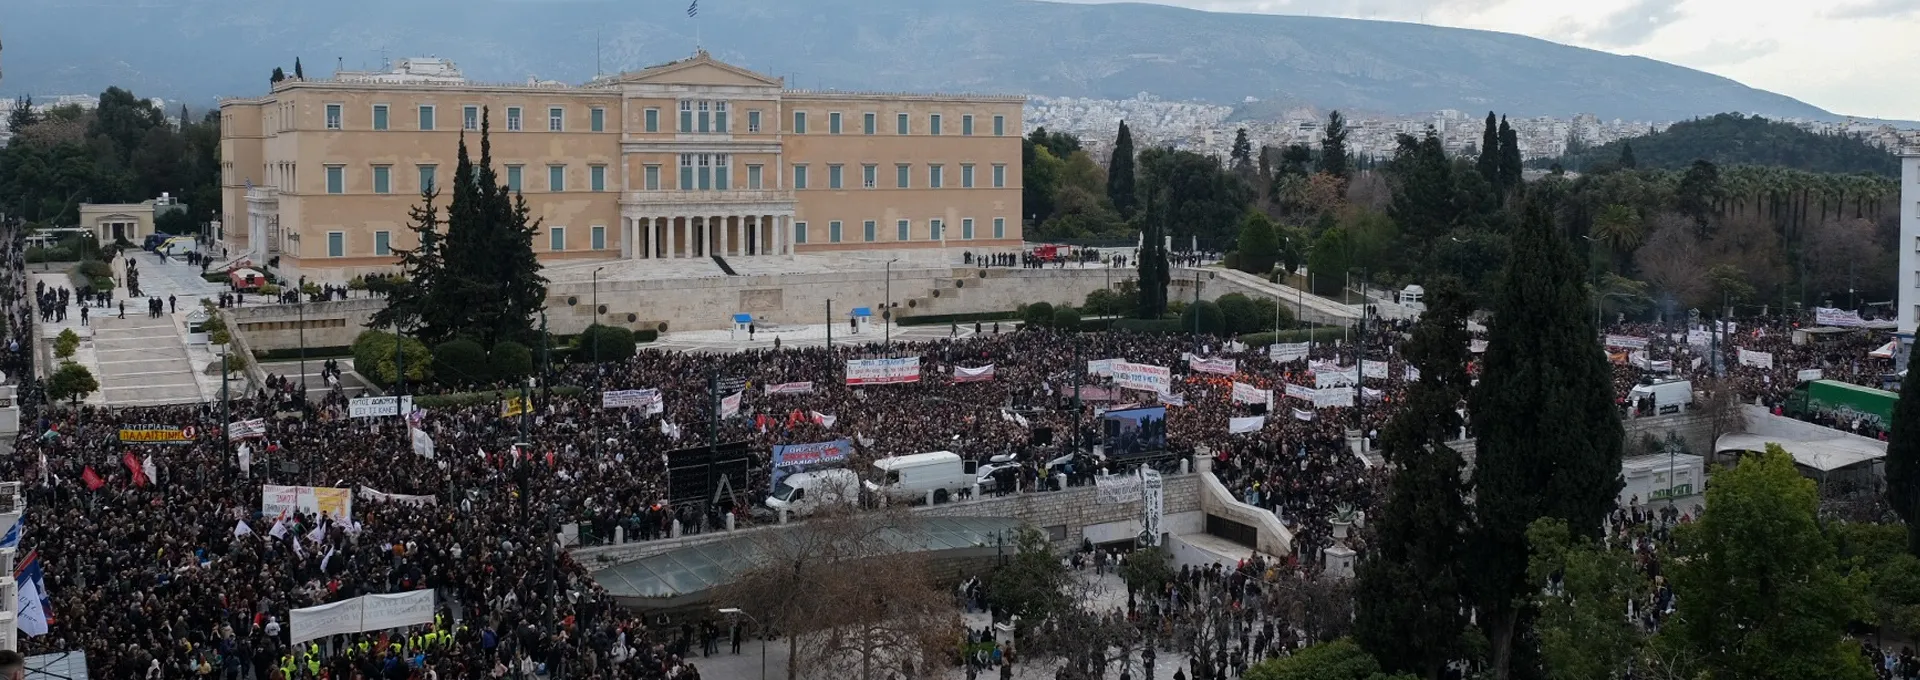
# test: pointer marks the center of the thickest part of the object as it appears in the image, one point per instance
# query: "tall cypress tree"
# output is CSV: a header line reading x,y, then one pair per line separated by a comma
x,y
1120,177
1549,437
1242,153
424,266
1407,606
1489,163
489,255
297,71
1903,460
1509,158
1333,147
1153,269
1627,161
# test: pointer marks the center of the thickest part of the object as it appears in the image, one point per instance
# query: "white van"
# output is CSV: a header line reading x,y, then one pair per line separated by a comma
x,y
905,478
802,493
1665,396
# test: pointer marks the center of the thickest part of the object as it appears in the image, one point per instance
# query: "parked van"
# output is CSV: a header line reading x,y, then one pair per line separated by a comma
x,y
905,478
1660,397
803,493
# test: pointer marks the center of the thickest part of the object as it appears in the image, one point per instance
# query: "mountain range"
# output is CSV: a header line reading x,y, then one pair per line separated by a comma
x,y
196,50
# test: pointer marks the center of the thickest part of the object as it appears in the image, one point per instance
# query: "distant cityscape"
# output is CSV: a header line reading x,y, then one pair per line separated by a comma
x,y
1209,128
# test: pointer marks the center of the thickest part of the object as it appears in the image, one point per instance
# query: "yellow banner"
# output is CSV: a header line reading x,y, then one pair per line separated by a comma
x,y
514,406
156,434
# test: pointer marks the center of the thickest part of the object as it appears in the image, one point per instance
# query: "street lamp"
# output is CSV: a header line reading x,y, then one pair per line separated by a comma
x,y
599,372
888,312
736,611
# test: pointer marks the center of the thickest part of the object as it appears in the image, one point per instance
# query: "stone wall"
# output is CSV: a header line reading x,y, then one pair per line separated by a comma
x,y
1071,511
328,324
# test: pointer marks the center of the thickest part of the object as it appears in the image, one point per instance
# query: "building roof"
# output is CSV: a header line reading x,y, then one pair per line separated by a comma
x,y
58,665
1823,455
694,570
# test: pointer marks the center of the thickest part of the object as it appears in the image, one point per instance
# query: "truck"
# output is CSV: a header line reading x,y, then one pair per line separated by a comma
x,y
941,474
803,493
1660,397
1841,401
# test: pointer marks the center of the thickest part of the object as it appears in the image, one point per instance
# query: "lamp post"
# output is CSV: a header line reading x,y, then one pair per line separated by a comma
x,y
599,372
736,611
887,314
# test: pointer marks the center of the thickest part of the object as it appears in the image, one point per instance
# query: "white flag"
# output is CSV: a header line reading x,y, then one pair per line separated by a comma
x,y
297,550
319,534
730,406
279,529
823,419
32,618
325,558
422,442
146,466
245,453
242,529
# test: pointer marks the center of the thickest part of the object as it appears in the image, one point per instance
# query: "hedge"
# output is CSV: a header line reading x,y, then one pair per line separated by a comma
x,y
932,319
459,399
329,352
1295,335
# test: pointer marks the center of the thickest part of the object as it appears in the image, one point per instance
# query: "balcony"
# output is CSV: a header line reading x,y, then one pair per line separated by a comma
x,y
262,194
727,197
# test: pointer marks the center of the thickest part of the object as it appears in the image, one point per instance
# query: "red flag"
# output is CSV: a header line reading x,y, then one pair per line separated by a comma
x,y
93,480
133,465
549,459
795,418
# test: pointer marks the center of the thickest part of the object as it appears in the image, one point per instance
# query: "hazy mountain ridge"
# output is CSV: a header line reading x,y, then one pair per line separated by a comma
x,y
200,49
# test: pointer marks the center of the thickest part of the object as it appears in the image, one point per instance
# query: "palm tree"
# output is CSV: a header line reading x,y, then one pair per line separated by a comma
x,y
1618,227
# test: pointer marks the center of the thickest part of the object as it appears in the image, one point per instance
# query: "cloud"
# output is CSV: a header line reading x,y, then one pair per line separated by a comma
x,y
1725,53
1874,9
1630,26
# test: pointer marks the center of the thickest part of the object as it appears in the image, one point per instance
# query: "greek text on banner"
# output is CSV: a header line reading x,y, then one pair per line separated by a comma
x,y
1133,376
883,371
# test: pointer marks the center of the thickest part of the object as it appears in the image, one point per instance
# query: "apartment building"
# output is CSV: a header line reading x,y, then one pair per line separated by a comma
x,y
687,159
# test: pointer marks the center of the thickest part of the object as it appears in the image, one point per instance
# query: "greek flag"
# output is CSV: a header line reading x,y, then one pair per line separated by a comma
x,y
12,537
693,10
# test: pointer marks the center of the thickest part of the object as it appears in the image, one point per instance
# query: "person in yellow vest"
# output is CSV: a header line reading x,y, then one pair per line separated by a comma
x,y
313,665
364,647
286,666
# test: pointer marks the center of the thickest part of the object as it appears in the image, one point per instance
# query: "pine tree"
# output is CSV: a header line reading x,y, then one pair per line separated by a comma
x,y
278,75
1333,147
1903,461
1153,268
1627,161
1549,436
1489,163
298,72
22,116
1509,158
1407,606
423,266
1242,153
1120,174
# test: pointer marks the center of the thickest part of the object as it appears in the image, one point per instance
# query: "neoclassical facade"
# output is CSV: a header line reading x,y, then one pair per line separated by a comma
x,y
683,160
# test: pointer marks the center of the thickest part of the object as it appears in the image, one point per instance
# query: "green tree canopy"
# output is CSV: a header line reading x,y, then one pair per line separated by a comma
x,y
1758,588
1542,360
1259,243
71,382
461,362
1120,178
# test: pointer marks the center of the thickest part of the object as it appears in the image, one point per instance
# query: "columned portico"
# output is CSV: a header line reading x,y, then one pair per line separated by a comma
x,y
694,235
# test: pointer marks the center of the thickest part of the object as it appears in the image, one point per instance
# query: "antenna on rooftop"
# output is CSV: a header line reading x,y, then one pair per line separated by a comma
x,y
596,53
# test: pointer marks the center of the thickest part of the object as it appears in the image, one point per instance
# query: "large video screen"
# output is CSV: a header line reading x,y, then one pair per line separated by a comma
x,y
1135,431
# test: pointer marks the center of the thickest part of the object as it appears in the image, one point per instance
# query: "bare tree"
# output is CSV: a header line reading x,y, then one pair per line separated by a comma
x,y
814,582
1671,257
1723,408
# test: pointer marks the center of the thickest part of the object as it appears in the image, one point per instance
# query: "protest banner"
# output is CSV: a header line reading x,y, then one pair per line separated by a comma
x,y
247,429
648,399
1756,359
1282,352
313,623
1300,391
1807,374
962,374
1156,379
156,434
1101,367
1828,316
1116,489
1330,379
515,406
1245,425
883,371
1215,366
1333,396
1374,369
790,388
369,493
333,503
791,458
376,407
1626,342
1248,394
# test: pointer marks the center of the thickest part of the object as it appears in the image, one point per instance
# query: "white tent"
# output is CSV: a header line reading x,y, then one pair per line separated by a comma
x,y
1886,351
1820,456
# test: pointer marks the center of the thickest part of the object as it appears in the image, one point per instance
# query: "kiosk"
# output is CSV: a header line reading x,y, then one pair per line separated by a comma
x,y
743,327
862,318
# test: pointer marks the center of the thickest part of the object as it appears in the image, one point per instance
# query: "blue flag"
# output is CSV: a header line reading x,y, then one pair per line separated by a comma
x,y
693,10
12,537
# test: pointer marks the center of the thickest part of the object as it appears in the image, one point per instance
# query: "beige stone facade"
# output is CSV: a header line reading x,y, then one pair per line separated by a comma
x,y
680,160
111,222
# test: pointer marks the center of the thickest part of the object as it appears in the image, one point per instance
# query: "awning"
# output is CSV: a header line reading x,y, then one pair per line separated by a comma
x,y
862,311
1823,456
743,318
246,277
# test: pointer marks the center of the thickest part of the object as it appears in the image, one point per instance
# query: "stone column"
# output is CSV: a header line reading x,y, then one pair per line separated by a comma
x,y
733,229
759,243
671,238
726,226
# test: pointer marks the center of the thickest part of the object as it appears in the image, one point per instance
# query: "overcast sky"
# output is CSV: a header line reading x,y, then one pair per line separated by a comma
x,y
1855,57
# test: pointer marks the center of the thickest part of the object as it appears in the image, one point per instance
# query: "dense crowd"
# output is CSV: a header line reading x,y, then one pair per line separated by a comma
x,y
171,569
